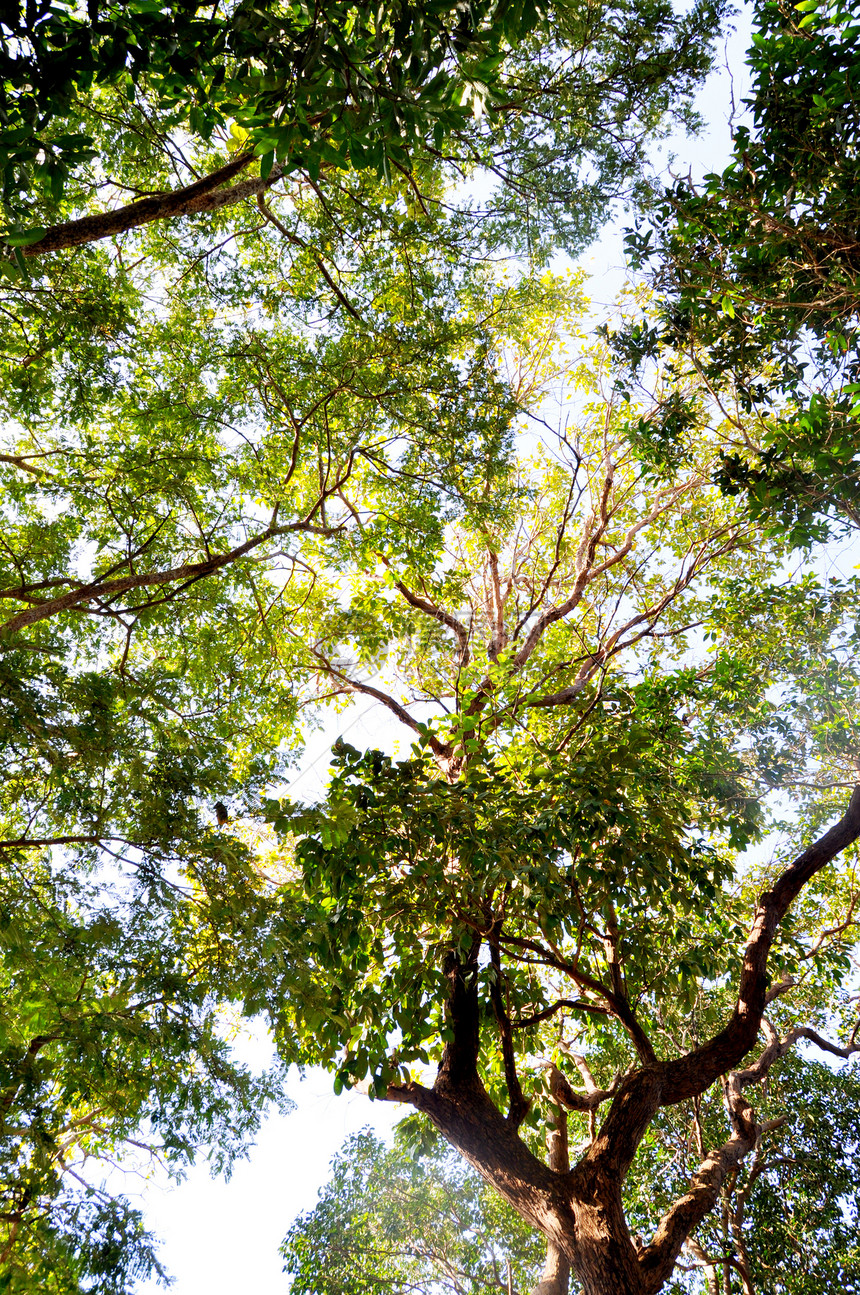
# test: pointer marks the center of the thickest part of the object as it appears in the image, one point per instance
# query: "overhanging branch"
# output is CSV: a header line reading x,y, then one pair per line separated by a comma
x,y
204,195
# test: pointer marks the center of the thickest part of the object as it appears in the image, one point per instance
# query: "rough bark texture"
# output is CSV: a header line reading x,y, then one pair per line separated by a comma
x,y
580,1210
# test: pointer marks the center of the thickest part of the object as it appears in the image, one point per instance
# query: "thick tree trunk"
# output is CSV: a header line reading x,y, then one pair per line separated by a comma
x,y
580,1211
603,1255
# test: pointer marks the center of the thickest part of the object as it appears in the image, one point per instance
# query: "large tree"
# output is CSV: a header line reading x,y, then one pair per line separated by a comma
x,y
162,479
552,883
540,595
415,1217
252,462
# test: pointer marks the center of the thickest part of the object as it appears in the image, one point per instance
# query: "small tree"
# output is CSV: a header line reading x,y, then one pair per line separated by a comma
x,y
412,1217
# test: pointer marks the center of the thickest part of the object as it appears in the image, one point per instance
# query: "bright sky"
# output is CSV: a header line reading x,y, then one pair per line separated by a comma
x,y
222,1237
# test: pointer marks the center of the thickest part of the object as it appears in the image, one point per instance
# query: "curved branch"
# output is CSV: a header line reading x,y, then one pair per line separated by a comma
x,y
693,1073
658,1259
103,590
573,1004
812,1036
438,613
618,1006
439,749
571,1100
675,1227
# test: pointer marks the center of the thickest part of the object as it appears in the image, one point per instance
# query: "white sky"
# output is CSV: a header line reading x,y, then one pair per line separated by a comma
x,y
221,1237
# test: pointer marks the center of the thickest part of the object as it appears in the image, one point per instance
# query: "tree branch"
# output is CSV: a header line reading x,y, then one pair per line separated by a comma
x,y
519,1104
693,1073
574,1004
203,195
438,613
571,1100
439,749
585,570
320,264
658,1259
30,843
108,589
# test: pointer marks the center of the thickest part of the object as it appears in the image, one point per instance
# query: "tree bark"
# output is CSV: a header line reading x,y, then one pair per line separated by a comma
x,y
204,195
580,1211
555,1279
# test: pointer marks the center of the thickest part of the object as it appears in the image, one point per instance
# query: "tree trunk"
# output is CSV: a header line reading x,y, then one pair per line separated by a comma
x,y
580,1212
604,1262
555,1279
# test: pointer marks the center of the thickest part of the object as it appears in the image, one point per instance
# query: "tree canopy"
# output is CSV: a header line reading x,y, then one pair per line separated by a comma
x,y
554,873
171,103
343,431
759,265
342,84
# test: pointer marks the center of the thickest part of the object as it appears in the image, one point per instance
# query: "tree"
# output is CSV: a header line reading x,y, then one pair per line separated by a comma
x,y
314,86
409,877
391,1220
757,268
796,1199
391,503
137,691
135,694
181,409
412,1217
554,873
238,455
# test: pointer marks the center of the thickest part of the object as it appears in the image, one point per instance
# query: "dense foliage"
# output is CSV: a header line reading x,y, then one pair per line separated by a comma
x,y
338,432
341,84
758,268
170,104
